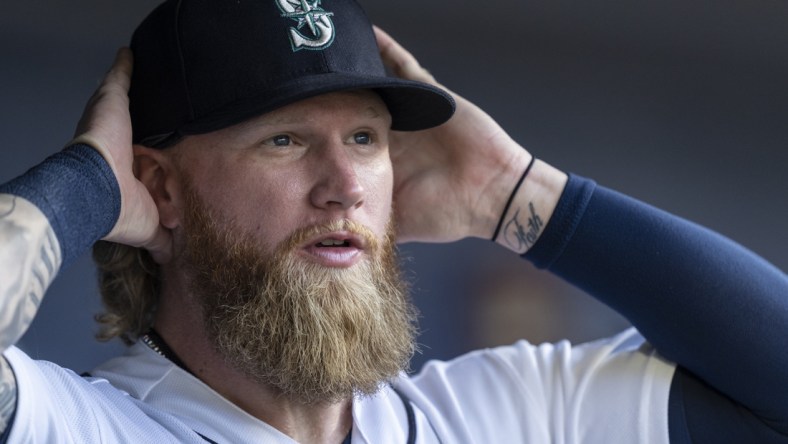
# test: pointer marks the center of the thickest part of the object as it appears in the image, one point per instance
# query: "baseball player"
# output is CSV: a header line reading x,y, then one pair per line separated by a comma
x,y
248,167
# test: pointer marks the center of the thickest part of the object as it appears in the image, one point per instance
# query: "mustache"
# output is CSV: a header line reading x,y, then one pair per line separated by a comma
x,y
303,234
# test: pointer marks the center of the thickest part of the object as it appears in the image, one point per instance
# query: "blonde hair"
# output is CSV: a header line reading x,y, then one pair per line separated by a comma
x,y
129,285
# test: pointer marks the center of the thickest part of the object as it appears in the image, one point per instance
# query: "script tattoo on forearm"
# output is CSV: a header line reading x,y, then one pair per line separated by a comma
x,y
516,234
7,394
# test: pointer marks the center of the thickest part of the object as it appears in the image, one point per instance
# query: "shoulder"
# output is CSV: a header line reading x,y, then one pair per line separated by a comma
x,y
55,404
524,362
609,385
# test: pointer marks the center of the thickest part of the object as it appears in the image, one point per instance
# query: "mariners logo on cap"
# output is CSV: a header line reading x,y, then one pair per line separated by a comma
x,y
315,30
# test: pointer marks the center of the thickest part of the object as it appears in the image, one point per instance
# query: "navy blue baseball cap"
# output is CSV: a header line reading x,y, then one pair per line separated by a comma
x,y
203,65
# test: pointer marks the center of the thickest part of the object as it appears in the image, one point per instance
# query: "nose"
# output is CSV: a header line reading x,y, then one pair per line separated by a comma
x,y
337,185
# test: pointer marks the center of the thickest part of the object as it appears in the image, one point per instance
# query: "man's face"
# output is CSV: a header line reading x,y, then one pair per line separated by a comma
x,y
316,161
288,248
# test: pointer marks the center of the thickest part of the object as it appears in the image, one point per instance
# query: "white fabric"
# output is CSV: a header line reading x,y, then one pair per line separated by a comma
x,y
611,391
29,260
54,405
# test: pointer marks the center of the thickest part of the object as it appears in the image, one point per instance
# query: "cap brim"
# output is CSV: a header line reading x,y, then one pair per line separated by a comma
x,y
413,105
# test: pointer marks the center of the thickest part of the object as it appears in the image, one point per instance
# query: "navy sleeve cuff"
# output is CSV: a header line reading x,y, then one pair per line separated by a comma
x,y
563,224
77,191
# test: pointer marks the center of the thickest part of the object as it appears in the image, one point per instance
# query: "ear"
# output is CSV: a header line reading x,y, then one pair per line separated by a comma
x,y
155,169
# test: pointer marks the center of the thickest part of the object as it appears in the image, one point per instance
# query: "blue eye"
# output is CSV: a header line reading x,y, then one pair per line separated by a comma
x,y
362,138
279,140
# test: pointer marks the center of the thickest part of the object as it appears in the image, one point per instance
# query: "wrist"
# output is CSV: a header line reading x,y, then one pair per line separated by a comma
x,y
502,178
511,198
531,208
77,192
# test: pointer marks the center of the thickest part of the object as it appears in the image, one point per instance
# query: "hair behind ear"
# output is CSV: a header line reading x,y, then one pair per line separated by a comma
x,y
129,285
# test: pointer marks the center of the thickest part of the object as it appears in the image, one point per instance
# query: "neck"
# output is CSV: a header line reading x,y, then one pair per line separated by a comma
x,y
179,322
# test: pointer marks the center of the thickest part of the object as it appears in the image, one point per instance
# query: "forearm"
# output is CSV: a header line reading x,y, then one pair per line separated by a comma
x,y
702,300
29,260
48,217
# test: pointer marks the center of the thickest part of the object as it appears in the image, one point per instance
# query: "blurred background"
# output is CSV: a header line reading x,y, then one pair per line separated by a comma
x,y
682,104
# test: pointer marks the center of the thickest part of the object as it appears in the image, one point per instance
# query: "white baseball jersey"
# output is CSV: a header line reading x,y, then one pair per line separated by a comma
x,y
609,391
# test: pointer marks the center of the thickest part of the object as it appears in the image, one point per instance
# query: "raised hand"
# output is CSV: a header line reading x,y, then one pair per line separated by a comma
x,y
106,126
452,181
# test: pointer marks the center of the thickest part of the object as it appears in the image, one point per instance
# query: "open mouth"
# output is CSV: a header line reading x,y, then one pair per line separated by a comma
x,y
338,249
333,243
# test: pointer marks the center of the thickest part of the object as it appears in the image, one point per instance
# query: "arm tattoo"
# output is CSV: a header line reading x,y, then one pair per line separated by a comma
x,y
31,257
516,234
7,394
6,213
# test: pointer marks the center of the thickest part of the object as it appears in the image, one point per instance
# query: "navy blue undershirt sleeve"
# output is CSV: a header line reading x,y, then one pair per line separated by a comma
x,y
77,191
701,414
703,301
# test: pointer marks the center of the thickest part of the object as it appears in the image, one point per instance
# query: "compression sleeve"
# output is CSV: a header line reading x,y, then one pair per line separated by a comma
x,y
701,300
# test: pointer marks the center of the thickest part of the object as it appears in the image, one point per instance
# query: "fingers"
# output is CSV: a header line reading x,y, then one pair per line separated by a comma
x,y
399,60
120,72
110,97
117,81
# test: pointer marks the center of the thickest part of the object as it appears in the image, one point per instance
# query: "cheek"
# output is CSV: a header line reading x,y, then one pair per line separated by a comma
x,y
258,204
265,207
379,197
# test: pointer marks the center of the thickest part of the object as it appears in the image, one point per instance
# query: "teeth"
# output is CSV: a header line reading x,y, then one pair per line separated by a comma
x,y
332,242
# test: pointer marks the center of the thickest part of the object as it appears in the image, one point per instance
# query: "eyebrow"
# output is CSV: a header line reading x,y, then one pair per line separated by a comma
x,y
369,112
